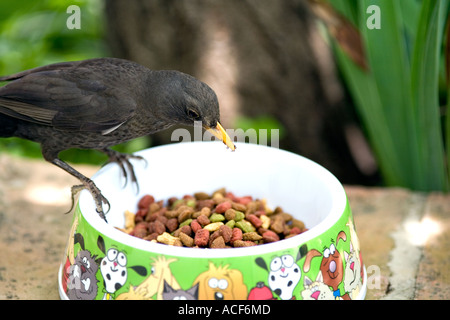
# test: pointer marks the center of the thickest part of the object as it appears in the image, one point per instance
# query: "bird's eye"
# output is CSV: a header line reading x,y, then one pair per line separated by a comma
x,y
193,114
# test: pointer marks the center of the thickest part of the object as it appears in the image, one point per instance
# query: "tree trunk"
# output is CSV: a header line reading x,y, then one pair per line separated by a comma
x,y
262,57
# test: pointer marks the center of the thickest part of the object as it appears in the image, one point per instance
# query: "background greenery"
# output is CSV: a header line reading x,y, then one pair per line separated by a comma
x,y
401,97
34,33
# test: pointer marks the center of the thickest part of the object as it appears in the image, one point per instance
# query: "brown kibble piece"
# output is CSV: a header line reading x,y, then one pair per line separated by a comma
x,y
186,240
203,220
218,243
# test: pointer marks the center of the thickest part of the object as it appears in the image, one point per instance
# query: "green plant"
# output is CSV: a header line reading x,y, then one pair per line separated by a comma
x,y
398,95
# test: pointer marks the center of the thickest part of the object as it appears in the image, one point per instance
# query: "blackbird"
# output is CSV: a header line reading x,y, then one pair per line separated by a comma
x,y
98,103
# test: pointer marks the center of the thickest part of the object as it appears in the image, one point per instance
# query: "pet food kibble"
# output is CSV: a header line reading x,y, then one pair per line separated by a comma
x,y
226,232
245,226
186,240
222,207
145,202
166,238
251,236
265,221
241,243
218,242
172,224
186,222
195,225
254,220
270,236
222,220
203,220
201,237
213,226
216,217
236,235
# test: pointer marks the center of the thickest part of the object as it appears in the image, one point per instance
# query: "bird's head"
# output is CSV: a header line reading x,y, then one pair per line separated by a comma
x,y
189,100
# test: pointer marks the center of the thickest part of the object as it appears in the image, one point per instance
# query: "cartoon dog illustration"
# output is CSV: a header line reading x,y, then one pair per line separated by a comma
x,y
331,265
284,273
221,283
114,269
154,284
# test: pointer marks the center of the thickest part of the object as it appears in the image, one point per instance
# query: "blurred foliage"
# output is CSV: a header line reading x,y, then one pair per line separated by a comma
x,y
34,33
401,94
263,122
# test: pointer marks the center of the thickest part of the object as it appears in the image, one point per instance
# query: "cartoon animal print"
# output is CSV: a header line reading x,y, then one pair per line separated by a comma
x,y
352,279
170,293
331,265
316,290
284,273
154,283
221,283
260,292
354,245
81,280
114,269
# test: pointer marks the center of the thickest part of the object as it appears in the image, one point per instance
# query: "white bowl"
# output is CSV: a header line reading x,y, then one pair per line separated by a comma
x,y
322,263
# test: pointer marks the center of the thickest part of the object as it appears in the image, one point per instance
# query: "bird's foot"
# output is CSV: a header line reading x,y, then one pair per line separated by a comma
x,y
123,160
99,199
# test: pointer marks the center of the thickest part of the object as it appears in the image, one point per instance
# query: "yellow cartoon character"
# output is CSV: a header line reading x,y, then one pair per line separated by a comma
x,y
154,284
221,283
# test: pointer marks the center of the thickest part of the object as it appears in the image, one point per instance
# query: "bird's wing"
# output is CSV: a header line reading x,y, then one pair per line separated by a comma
x,y
67,99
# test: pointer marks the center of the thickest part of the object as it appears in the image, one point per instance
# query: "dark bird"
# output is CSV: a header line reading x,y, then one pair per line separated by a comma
x,y
98,103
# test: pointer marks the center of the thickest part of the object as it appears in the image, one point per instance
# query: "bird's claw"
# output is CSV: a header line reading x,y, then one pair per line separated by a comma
x,y
123,160
99,199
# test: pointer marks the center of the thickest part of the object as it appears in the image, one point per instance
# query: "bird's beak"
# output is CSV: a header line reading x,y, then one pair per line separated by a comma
x,y
221,134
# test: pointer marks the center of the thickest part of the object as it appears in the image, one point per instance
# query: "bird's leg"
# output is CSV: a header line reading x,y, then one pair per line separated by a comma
x,y
86,183
123,160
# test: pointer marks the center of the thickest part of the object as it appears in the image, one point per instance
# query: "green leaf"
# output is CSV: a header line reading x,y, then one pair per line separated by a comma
x,y
424,83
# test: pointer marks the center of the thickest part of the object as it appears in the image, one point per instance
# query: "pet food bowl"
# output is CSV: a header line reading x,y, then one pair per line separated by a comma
x,y
102,262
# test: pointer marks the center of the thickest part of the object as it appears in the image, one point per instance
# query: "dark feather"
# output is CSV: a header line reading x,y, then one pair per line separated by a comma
x,y
77,98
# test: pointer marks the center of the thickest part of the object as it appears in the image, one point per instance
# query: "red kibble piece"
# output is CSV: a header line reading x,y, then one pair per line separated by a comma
x,y
236,234
270,236
295,230
201,238
254,220
145,201
222,207
195,226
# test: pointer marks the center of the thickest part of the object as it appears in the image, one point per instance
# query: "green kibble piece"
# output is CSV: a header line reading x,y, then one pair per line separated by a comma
x,y
216,217
245,226
185,223
191,203
239,216
231,223
177,203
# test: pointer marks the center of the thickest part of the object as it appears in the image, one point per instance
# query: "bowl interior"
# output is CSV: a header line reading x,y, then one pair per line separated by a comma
x,y
301,187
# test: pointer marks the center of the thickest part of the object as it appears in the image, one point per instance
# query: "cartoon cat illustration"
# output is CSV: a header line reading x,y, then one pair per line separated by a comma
x,y
352,279
170,293
316,290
